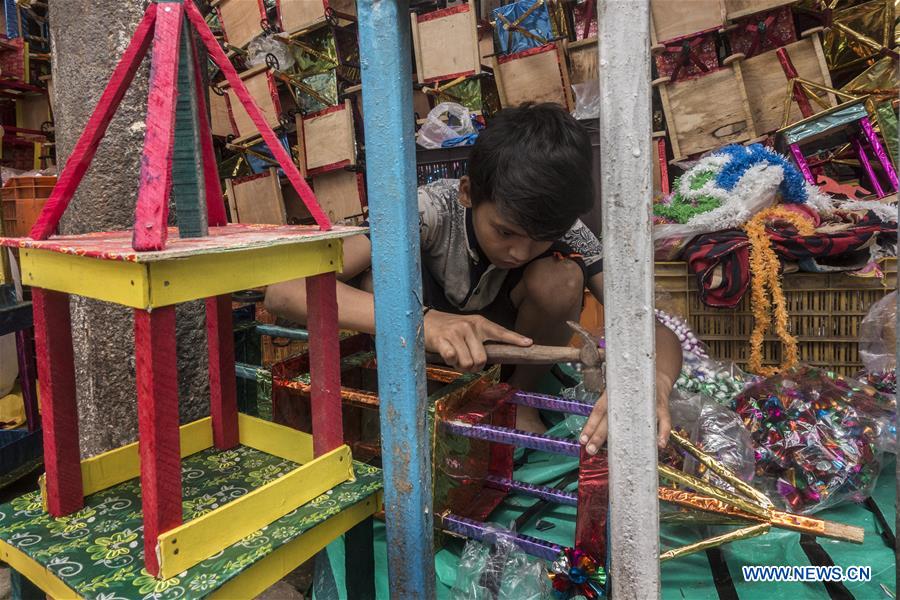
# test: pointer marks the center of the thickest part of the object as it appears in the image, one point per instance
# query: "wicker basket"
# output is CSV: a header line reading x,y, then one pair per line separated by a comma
x,y
825,311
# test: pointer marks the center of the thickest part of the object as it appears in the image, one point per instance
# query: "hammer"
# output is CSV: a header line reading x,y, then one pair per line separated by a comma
x,y
589,355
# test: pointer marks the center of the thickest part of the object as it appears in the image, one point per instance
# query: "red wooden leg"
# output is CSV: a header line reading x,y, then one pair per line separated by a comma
x,y
325,362
157,390
56,372
593,505
222,382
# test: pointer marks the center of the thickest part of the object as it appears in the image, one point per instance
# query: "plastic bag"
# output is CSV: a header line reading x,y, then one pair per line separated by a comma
x,y
263,45
587,99
878,336
498,570
435,131
815,439
718,431
717,380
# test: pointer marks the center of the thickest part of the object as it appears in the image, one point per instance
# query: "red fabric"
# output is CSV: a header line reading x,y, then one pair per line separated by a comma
x,y
731,250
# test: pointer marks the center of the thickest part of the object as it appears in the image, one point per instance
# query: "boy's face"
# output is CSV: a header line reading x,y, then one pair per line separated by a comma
x,y
504,243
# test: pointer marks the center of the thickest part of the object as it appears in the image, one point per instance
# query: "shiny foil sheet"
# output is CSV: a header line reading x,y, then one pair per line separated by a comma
x,y
315,52
886,118
879,80
478,94
845,114
591,524
317,92
521,25
462,465
873,20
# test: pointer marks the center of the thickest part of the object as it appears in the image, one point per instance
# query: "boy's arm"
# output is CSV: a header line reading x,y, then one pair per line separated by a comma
x,y
458,338
356,308
668,366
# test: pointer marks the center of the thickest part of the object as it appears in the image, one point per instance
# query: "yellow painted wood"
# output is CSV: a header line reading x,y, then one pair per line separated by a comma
x,y
166,282
35,572
112,468
275,439
207,275
119,282
264,573
183,547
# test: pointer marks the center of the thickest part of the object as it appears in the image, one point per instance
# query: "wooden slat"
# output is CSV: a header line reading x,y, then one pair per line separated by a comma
x,y
339,193
240,20
684,17
87,143
59,411
157,391
215,203
196,540
258,86
297,15
222,381
535,77
328,139
324,363
447,46
258,199
706,113
766,83
277,440
188,179
152,210
219,118
736,9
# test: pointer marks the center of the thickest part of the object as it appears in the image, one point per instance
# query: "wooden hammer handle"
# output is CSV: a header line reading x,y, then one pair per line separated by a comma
x,y
505,354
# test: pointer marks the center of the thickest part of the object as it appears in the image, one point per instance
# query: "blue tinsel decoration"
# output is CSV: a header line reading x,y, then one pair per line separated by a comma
x,y
793,186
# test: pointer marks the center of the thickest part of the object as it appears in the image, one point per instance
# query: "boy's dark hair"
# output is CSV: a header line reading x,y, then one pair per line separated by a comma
x,y
534,162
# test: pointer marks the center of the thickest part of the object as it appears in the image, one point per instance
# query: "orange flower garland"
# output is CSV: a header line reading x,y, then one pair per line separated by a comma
x,y
765,269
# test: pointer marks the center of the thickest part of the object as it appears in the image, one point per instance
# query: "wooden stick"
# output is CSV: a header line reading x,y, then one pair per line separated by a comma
x,y
151,214
215,205
59,411
240,90
157,390
222,381
83,153
324,363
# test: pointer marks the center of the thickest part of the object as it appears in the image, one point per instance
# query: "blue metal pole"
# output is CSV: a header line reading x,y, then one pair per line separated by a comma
x,y
384,41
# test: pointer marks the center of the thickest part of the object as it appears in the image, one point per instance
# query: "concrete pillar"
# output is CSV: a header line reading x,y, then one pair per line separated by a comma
x,y
88,37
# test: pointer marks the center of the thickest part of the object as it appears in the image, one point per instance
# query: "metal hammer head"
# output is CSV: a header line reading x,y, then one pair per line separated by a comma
x,y
591,355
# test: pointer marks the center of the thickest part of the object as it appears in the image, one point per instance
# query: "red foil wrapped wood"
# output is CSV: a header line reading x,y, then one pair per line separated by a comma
x,y
462,465
593,505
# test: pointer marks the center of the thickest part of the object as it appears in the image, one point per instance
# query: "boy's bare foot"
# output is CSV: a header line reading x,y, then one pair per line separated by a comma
x,y
528,419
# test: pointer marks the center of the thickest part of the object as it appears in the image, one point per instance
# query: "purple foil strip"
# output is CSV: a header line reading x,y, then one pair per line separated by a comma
x,y
802,164
476,530
879,150
864,160
515,437
564,405
537,491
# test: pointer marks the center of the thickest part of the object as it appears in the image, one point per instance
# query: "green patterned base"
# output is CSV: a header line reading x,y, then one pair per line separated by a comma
x,y
98,551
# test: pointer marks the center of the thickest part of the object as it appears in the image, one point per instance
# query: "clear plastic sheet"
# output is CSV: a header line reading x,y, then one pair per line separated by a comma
x,y
815,437
262,46
878,336
718,431
498,570
587,99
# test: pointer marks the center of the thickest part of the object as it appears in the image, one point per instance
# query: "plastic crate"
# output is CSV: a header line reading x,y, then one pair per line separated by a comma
x,y
825,311
23,199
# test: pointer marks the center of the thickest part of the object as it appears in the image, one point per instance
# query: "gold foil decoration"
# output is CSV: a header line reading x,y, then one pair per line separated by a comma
x,y
858,32
709,489
733,536
721,470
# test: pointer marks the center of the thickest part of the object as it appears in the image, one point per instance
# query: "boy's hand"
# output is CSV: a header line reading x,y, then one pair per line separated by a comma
x,y
594,433
460,338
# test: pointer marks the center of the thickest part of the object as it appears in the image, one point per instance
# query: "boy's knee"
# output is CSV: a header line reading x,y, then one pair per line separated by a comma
x,y
556,286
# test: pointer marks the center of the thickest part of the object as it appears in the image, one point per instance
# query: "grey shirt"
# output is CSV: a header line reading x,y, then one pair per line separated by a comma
x,y
451,254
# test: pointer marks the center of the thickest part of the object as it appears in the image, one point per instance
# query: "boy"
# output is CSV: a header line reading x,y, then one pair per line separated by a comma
x,y
504,257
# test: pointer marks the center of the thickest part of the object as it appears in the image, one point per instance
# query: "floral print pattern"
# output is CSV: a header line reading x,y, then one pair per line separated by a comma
x,y
99,550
